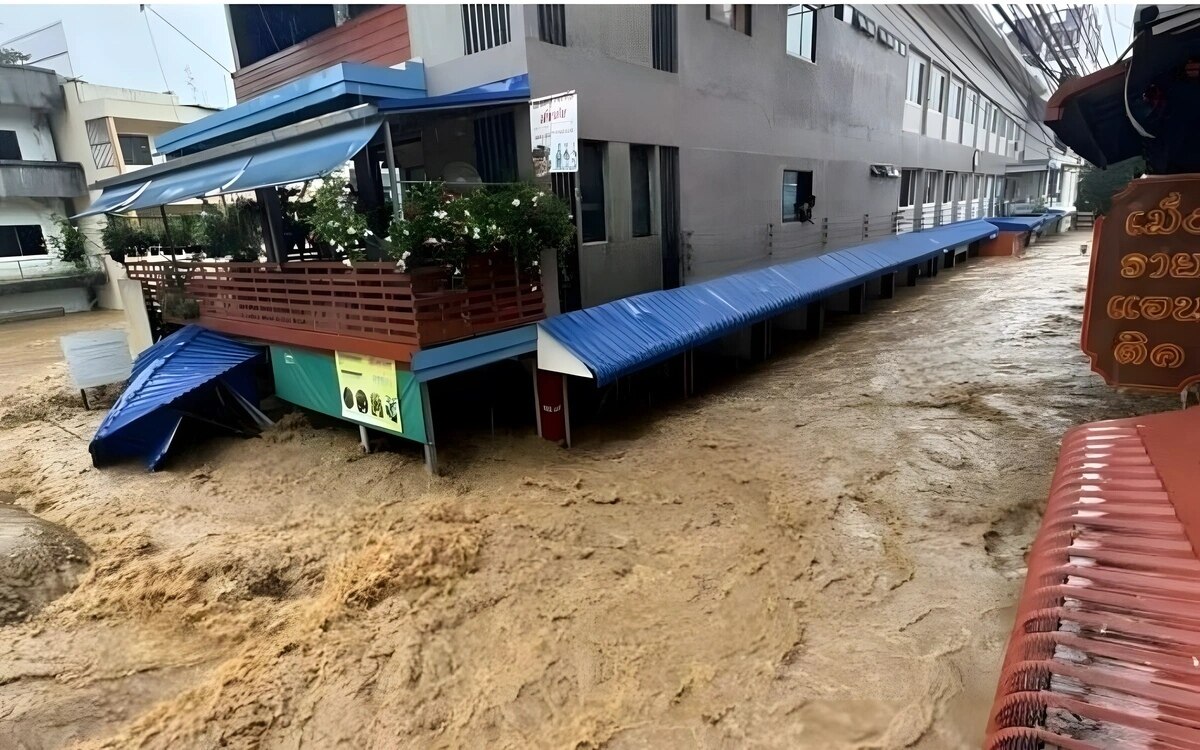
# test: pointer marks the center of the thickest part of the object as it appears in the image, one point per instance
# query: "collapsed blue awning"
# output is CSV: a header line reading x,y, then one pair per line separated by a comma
x,y
626,335
1019,223
508,90
281,163
192,374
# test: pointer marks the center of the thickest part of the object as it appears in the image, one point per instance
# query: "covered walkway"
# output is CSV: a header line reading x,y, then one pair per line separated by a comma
x,y
611,340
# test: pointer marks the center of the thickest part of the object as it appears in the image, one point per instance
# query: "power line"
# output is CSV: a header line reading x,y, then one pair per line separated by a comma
x,y
1111,34
262,14
189,39
161,70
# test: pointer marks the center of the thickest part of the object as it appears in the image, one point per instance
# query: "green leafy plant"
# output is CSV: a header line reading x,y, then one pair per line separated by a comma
x,y
232,231
122,237
70,243
1098,186
334,218
10,56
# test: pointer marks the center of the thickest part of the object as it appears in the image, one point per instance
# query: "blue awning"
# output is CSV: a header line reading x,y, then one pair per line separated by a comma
x,y
508,90
112,199
1018,223
626,335
294,160
460,356
193,373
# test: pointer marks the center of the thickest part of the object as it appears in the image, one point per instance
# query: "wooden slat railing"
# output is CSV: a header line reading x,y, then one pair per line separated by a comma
x,y
368,308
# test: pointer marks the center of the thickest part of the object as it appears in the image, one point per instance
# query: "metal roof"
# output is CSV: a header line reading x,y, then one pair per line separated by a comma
x,y
142,422
628,334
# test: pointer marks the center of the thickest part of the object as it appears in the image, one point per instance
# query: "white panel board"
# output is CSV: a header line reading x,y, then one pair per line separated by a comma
x,y
96,357
555,357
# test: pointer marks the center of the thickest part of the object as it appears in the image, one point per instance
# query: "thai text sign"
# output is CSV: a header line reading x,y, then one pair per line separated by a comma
x,y
1141,324
554,133
368,390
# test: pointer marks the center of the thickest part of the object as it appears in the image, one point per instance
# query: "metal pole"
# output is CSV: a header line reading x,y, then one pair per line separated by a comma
x,y
397,208
162,210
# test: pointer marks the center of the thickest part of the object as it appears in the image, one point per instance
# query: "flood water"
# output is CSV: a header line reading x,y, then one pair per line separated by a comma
x,y
822,551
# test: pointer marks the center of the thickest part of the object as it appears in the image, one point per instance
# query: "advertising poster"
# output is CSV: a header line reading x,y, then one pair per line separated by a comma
x,y
554,133
368,390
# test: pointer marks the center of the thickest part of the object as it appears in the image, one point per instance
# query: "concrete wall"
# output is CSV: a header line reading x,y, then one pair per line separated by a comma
x,y
33,132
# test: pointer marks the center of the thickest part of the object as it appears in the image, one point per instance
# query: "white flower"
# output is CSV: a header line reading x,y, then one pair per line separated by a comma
x,y
401,265
293,198
516,201
405,255
529,230
341,249
541,193
439,214
331,223
387,239
345,261
476,235
405,231
346,190
535,200
466,213
204,213
431,241
533,288
368,233
492,227
535,263
351,230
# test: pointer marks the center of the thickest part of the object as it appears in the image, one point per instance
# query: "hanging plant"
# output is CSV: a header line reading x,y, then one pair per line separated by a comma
x,y
70,242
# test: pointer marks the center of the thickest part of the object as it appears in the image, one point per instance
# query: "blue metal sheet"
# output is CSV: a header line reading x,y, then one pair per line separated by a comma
x,y
142,422
628,334
461,356
337,87
189,182
303,159
112,199
514,89
1016,223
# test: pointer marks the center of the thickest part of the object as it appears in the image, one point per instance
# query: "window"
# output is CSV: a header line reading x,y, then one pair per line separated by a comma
x,y
972,105
135,149
955,105
908,186
591,190
932,178
639,189
975,185
9,148
937,91
948,188
102,148
997,115
916,79
552,24
484,27
989,186
21,239
802,32
798,197
736,17
662,37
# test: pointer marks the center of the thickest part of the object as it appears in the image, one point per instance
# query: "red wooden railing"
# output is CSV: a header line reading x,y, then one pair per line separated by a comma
x,y
369,308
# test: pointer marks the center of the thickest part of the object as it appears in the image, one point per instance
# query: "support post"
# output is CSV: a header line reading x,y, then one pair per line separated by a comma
x,y
271,212
948,258
887,286
931,268
913,272
364,438
814,321
858,299
162,211
431,459
393,177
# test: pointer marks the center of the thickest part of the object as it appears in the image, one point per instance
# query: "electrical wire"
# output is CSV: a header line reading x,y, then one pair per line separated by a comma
x,y
154,45
189,39
262,14
1037,16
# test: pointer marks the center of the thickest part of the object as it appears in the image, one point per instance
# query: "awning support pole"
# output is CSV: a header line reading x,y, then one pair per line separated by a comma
x,y
162,211
393,181
431,460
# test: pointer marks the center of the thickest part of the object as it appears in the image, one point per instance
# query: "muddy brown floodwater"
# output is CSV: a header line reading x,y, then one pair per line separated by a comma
x,y
821,553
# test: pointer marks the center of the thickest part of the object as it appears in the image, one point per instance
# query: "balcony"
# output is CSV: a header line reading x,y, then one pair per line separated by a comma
x,y
41,179
29,87
378,36
36,274
369,308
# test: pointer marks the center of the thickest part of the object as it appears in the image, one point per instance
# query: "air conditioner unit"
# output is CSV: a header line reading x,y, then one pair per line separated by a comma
x,y
884,170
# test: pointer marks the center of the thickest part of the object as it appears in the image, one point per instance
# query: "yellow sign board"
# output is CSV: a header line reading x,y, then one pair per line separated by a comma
x,y
369,391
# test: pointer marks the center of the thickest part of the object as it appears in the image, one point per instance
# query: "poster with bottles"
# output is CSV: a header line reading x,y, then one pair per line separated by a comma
x,y
368,390
554,133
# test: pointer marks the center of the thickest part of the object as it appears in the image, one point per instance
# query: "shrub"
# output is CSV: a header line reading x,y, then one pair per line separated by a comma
x,y
70,242
231,231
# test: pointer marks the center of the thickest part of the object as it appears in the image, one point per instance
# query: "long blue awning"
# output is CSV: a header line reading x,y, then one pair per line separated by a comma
x,y
295,160
626,335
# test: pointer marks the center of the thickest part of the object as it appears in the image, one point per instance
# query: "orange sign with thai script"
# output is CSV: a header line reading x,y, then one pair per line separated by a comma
x,y
1141,324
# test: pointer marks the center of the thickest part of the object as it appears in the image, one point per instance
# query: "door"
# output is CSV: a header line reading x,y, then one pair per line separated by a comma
x,y
668,172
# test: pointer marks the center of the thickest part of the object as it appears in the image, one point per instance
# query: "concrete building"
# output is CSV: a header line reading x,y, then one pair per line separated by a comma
x,y
36,185
704,127
109,131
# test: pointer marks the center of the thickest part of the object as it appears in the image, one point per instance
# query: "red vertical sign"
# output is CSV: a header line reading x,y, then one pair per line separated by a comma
x,y
552,407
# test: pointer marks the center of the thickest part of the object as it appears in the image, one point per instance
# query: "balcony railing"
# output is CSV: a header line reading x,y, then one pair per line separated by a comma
x,y
41,179
48,267
369,308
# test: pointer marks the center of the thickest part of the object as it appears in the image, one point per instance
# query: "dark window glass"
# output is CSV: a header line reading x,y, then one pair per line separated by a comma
x,y
21,239
663,36
9,148
908,187
591,188
552,24
798,199
948,188
135,149
931,186
639,173
260,31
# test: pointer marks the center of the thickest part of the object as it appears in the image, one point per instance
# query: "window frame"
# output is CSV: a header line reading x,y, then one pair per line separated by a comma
x,y
933,183
734,18
149,150
601,148
806,10
934,74
910,177
921,65
948,184
971,102
803,177
954,104
635,184
16,235
16,145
